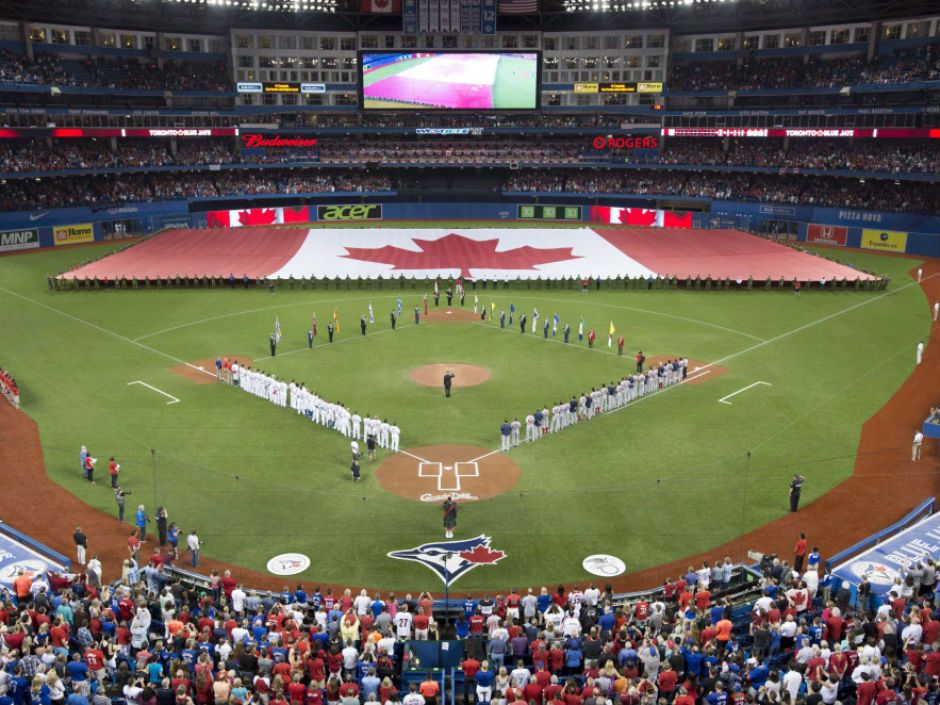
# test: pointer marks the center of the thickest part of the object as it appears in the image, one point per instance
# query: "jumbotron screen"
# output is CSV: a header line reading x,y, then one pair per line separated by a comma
x,y
450,80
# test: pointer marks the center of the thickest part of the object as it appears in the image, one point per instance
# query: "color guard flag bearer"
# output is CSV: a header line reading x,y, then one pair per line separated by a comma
x,y
555,321
277,330
610,335
336,319
371,315
535,318
581,329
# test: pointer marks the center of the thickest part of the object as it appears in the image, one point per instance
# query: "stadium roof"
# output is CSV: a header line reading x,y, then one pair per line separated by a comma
x,y
682,16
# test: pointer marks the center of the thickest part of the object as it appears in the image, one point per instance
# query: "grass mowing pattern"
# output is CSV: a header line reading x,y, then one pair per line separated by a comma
x,y
655,481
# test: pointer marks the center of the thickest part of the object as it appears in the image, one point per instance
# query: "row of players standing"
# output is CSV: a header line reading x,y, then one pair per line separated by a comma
x,y
601,399
332,415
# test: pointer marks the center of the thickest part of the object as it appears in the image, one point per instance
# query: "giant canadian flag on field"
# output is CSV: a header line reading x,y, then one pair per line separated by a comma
x,y
650,218
473,253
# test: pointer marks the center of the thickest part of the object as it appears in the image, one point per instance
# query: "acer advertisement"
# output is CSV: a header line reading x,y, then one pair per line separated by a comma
x,y
371,211
257,216
641,217
454,80
827,234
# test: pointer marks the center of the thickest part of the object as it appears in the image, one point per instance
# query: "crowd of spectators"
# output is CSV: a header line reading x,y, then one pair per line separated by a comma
x,y
9,387
117,73
107,190
921,64
873,156
112,190
151,639
903,197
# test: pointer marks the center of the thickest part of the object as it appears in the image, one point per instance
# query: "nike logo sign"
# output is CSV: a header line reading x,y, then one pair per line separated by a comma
x,y
37,216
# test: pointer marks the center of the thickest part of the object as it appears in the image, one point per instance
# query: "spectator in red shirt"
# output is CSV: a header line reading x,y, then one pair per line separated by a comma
x,y
799,553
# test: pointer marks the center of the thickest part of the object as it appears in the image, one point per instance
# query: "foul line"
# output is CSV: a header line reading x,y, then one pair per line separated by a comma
x,y
412,455
651,313
105,330
743,389
158,391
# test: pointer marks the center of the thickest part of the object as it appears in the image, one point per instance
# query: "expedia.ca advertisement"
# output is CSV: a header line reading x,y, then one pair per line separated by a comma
x,y
367,211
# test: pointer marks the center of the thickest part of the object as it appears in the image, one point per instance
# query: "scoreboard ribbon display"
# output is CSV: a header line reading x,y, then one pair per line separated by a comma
x,y
623,87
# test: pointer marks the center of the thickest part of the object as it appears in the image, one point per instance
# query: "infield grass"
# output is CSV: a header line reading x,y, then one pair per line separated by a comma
x,y
656,481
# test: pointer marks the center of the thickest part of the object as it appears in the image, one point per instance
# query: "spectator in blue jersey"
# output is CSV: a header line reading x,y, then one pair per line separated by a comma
x,y
484,679
469,607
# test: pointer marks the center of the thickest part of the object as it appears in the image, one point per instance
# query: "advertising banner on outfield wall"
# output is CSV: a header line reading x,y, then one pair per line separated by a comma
x,y
12,240
885,240
371,211
827,234
641,217
73,234
257,216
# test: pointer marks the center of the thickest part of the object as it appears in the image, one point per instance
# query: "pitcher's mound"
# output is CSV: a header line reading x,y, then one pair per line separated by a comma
x,y
431,473
464,375
203,371
451,314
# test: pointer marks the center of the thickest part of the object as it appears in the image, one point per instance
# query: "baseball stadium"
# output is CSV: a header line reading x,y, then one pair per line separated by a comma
x,y
563,352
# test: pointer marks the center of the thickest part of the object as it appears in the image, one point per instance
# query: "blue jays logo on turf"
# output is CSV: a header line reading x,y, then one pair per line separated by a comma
x,y
452,559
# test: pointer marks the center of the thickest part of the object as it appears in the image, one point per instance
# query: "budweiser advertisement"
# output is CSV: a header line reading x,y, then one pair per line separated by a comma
x,y
827,234
640,216
257,216
254,140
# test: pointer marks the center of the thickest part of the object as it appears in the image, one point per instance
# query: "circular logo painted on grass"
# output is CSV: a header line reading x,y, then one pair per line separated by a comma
x,y
288,564
604,565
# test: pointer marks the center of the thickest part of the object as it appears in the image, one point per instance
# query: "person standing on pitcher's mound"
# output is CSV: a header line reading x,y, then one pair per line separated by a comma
x,y
448,382
450,516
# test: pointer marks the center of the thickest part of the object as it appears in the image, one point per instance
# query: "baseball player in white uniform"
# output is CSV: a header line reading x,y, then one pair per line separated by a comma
x,y
356,425
530,428
516,426
394,434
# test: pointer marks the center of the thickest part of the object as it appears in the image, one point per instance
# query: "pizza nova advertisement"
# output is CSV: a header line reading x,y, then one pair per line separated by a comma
x,y
73,234
641,216
827,234
885,240
12,240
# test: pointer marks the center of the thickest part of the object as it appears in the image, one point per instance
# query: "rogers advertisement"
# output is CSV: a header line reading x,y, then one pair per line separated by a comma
x,y
827,234
641,217
257,216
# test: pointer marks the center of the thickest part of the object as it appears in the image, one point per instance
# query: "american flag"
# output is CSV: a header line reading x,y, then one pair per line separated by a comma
x,y
517,7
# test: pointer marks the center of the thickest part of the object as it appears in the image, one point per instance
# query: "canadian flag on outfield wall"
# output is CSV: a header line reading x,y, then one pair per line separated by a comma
x,y
384,7
257,216
640,216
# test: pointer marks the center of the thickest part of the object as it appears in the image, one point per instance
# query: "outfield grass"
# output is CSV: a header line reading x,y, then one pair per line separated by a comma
x,y
654,482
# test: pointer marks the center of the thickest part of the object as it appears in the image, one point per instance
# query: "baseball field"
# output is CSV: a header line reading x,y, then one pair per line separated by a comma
x,y
786,385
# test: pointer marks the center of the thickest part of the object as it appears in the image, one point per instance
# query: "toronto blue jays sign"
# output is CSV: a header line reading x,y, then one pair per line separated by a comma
x,y
889,560
451,559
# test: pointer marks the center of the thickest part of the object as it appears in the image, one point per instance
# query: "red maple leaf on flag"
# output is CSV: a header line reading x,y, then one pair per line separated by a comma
x,y
638,216
257,216
459,252
481,554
